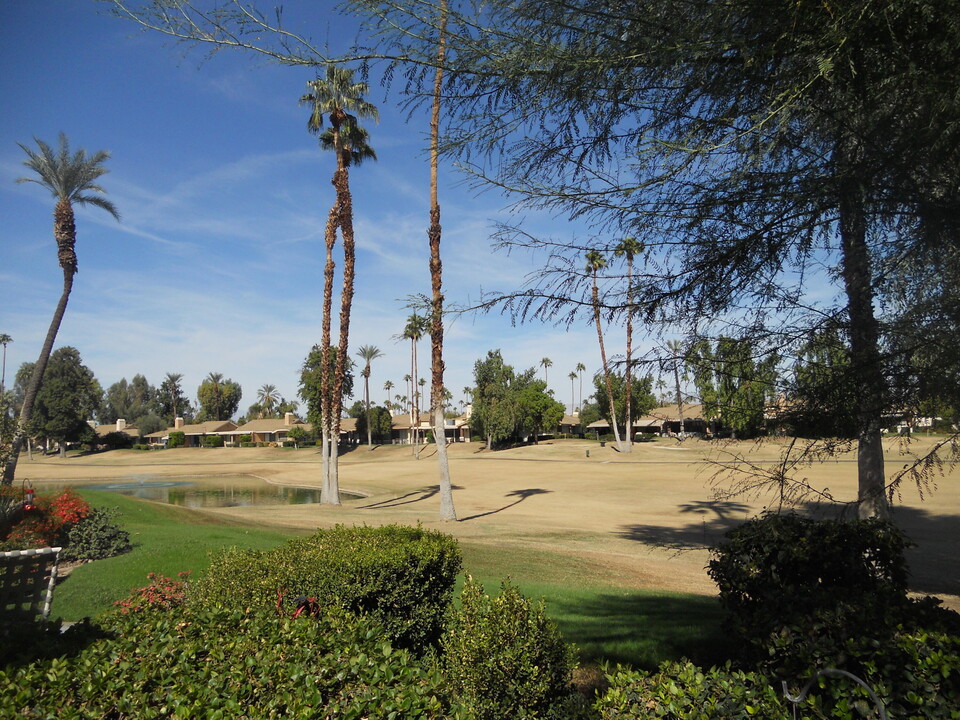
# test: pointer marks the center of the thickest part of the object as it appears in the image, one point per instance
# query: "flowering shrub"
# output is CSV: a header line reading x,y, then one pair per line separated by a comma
x,y
48,522
162,593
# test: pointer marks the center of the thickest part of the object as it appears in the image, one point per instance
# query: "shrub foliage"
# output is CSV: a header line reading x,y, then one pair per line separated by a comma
x,y
401,576
504,658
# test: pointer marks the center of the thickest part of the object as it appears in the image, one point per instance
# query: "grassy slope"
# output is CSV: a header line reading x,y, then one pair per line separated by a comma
x,y
640,628
166,540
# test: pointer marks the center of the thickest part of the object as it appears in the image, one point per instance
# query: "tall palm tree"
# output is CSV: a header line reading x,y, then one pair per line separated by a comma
x,y
388,386
4,340
573,392
546,363
629,247
413,331
267,397
437,390
580,370
595,262
71,179
369,353
336,98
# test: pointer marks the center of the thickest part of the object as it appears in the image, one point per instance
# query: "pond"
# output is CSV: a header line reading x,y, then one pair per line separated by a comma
x,y
212,492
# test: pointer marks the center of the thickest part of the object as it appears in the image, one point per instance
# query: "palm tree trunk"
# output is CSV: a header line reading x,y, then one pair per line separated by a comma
x,y
603,360
342,185
447,510
330,237
30,396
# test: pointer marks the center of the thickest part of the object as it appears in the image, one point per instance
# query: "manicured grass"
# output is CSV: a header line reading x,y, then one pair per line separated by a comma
x,y
166,540
640,628
607,623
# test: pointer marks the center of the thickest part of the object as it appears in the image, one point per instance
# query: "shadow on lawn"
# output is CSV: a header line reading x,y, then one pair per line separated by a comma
x,y
643,630
521,495
933,560
424,493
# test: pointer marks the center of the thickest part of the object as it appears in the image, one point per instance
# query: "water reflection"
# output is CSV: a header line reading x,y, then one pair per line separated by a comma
x,y
213,494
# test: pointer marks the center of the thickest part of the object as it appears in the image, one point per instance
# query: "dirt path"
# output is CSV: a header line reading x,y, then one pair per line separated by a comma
x,y
639,520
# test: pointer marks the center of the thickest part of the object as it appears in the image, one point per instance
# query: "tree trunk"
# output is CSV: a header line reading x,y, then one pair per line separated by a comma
x,y
342,185
63,223
864,341
330,237
628,380
603,360
447,510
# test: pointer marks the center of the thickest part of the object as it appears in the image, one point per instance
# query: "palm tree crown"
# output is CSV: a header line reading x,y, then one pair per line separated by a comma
x,y
70,179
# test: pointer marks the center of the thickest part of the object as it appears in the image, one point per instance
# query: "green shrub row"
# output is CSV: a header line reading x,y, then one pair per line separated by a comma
x,y
200,663
401,576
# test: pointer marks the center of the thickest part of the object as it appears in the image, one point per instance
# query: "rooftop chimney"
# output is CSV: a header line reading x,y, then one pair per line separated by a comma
x,y
177,423
289,419
121,424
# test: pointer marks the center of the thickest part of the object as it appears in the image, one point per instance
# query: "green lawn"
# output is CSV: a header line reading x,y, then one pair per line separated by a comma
x,y
639,628
166,540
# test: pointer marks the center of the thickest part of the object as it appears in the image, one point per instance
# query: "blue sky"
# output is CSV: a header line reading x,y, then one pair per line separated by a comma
x,y
217,263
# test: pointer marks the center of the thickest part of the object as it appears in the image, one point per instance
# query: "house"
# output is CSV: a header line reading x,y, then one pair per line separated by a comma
x,y
665,421
570,424
267,430
193,434
403,429
120,426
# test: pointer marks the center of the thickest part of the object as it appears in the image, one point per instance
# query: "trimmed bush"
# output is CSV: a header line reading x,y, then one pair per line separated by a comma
x,y
176,439
212,441
401,576
505,659
682,691
96,537
216,663
821,581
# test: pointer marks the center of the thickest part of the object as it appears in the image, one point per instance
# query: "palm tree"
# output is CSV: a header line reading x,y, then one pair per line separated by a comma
x,y
629,247
215,378
267,397
71,179
546,363
4,340
437,390
388,386
596,261
369,353
676,348
580,370
415,328
573,392
337,98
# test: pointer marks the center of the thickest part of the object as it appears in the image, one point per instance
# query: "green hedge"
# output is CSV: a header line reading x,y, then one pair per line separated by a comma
x,y
505,659
682,691
199,663
401,576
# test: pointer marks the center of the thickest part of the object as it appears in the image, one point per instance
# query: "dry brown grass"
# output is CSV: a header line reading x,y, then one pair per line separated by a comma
x,y
638,520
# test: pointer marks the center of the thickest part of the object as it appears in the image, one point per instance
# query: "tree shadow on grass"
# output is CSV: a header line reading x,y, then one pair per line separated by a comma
x,y
933,559
716,518
520,494
424,493
643,630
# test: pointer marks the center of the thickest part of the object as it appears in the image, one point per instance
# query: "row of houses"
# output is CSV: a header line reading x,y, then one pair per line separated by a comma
x,y
662,421
277,430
